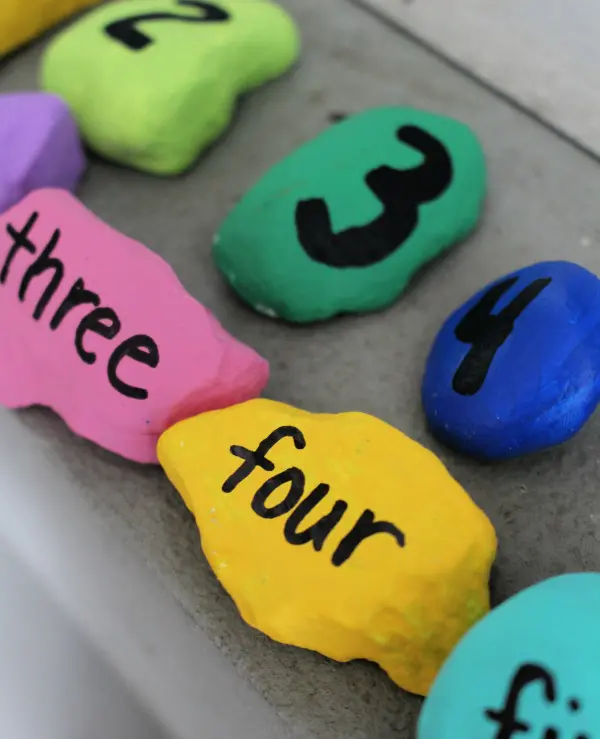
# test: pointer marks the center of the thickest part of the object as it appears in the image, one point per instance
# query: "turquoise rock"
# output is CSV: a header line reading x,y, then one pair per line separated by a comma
x,y
343,223
530,669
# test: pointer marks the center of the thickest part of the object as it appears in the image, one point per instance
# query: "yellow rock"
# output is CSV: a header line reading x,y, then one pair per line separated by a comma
x,y
335,532
22,21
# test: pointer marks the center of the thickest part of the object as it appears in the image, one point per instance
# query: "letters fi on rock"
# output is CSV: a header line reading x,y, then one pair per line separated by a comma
x,y
336,533
153,82
98,328
515,369
529,670
343,223
40,146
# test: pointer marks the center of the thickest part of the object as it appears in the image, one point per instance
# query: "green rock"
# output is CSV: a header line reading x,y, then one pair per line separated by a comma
x,y
152,83
343,223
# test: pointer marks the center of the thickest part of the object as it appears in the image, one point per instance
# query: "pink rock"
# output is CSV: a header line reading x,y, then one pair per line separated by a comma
x,y
97,327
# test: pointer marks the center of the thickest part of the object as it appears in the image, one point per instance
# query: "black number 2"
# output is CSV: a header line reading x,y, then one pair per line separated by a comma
x,y
487,331
126,32
401,191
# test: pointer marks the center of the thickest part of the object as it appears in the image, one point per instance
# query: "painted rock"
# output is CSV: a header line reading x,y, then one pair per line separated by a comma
x,y
343,223
21,22
336,533
528,670
153,82
516,368
40,146
98,327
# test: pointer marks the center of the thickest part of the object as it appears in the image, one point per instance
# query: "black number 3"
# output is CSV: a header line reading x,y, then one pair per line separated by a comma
x,y
126,32
400,190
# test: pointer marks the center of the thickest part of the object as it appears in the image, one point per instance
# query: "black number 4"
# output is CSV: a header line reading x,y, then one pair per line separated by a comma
x,y
401,191
126,32
487,331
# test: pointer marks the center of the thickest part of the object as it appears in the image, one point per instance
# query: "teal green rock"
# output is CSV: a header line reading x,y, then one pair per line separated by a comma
x,y
343,223
529,670
152,83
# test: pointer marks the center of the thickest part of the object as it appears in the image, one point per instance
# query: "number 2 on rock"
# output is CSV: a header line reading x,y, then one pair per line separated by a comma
x,y
401,191
126,32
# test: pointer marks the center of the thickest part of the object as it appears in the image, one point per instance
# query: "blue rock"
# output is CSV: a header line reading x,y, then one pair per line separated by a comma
x,y
529,670
516,368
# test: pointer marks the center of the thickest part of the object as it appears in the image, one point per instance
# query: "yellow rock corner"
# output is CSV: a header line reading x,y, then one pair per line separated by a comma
x,y
21,21
336,533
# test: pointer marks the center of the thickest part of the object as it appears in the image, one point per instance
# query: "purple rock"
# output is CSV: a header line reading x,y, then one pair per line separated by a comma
x,y
39,146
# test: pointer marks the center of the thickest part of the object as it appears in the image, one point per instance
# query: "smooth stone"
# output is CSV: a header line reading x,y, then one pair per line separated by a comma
x,y
21,22
342,224
517,367
97,327
40,146
530,669
335,533
152,83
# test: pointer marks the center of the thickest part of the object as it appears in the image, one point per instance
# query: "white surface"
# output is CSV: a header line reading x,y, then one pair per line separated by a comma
x,y
542,53
53,685
171,665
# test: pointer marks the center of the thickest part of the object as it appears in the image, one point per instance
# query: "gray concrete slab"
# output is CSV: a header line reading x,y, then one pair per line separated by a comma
x,y
542,204
543,53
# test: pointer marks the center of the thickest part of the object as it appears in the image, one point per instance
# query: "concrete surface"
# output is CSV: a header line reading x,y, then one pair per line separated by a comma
x,y
543,197
543,53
